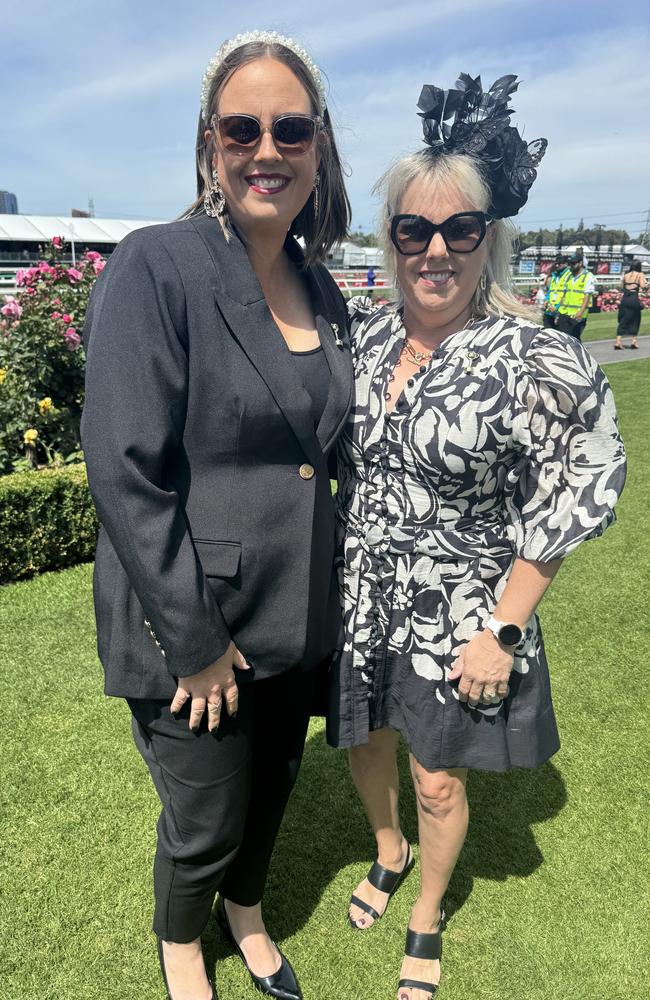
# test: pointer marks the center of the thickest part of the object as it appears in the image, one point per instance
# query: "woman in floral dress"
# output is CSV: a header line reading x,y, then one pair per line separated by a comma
x,y
481,451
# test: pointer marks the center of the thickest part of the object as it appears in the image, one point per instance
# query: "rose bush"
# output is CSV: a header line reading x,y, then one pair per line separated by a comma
x,y
609,300
42,361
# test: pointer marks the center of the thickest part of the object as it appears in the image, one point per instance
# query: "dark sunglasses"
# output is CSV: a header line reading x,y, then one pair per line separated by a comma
x,y
293,135
462,233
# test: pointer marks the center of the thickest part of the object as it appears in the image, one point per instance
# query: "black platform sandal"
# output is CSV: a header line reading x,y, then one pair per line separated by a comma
x,y
384,880
161,959
282,984
427,947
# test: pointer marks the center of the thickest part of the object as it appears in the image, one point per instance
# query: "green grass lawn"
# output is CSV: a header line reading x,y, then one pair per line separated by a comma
x,y
547,901
602,326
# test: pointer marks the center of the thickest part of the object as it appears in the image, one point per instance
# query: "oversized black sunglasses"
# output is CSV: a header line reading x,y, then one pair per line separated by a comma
x,y
463,232
293,135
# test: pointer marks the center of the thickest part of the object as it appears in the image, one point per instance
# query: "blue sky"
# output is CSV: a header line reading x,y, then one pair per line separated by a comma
x,y
102,99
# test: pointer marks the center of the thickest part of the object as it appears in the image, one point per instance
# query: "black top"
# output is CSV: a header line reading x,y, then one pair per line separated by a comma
x,y
315,374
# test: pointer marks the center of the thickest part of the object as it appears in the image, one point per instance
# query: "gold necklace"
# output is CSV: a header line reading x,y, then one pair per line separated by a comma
x,y
418,356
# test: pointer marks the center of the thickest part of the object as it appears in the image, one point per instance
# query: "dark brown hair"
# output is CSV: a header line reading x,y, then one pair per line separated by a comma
x,y
331,226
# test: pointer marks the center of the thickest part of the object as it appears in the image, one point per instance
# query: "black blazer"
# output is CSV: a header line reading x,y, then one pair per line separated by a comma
x,y
211,483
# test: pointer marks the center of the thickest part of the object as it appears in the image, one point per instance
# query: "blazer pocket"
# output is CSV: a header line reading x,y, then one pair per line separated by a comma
x,y
218,558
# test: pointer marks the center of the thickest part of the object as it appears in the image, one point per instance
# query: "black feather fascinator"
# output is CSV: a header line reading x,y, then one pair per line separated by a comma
x,y
470,120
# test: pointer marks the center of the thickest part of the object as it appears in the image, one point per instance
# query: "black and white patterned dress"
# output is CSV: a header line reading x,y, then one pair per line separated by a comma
x,y
506,444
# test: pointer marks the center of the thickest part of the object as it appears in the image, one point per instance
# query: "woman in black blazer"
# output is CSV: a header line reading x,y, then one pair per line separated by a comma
x,y
218,378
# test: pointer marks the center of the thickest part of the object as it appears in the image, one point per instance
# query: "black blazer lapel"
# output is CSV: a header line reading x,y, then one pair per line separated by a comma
x,y
331,323
240,301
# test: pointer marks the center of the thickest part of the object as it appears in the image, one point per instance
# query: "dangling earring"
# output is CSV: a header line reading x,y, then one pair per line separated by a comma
x,y
483,282
316,195
214,201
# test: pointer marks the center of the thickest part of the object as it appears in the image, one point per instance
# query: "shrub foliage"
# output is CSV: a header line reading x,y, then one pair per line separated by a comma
x,y
42,361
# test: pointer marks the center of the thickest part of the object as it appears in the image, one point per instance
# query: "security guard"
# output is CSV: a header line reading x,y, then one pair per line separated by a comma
x,y
576,286
554,289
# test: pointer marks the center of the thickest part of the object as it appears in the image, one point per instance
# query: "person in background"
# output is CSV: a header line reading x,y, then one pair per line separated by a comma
x,y
629,310
541,294
370,277
553,289
576,285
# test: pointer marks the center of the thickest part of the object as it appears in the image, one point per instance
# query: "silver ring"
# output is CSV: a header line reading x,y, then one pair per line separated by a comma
x,y
214,706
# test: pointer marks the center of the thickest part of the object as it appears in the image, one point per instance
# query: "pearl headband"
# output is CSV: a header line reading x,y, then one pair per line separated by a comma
x,y
269,38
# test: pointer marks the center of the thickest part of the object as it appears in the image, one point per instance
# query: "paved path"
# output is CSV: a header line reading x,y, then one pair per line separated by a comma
x,y
604,353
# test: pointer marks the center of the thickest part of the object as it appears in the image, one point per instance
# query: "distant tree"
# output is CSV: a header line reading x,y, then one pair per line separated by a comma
x,y
559,237
539,240
361,239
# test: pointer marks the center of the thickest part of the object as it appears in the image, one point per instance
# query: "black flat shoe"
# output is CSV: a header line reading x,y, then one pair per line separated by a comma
x,y
384,880
282,984
427,947
161,959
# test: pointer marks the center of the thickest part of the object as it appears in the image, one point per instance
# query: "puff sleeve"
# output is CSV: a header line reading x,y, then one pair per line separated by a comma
x,y
571,467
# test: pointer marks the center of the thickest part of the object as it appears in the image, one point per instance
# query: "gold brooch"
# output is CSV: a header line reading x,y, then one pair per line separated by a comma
x,y
470,358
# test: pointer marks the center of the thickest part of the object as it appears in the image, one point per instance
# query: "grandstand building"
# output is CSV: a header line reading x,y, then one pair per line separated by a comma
x,y
22,236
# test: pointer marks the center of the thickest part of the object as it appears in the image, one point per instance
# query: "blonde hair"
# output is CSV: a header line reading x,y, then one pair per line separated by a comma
x,y
462,174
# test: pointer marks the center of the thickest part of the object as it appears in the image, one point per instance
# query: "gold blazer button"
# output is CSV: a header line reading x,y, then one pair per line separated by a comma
x,y
306,471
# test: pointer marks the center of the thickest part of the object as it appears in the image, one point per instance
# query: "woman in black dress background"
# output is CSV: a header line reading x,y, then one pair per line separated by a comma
x,y
629,309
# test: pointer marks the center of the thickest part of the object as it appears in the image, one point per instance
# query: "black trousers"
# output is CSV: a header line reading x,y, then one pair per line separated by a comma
x,y
223,796
567,324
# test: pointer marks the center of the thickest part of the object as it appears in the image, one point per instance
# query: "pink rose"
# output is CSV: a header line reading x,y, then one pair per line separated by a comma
x,y
56,302
74,274
92,255
25,276
57,242
72,339
12,308
56,315
98,266
66,318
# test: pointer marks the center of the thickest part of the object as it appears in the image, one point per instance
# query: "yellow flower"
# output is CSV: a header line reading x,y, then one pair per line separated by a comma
x,y
45,405
3,375
30,436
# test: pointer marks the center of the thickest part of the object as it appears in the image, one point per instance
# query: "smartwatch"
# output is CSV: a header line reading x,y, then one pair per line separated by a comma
x,y
509,635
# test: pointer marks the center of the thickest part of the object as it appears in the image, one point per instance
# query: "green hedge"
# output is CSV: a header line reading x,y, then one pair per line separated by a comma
x,y
47,521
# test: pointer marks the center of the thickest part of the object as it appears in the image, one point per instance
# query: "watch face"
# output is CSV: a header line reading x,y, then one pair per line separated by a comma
x,y
510,635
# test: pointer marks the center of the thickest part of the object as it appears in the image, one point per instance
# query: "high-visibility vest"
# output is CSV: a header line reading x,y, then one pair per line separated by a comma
x,y
573,293
556,289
